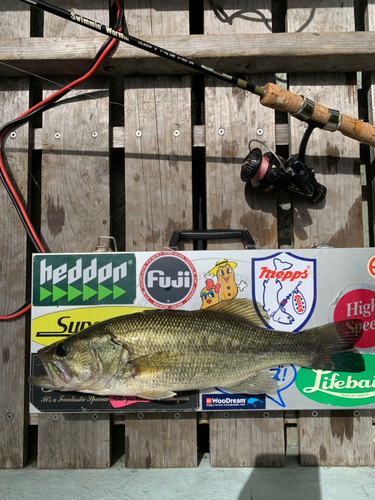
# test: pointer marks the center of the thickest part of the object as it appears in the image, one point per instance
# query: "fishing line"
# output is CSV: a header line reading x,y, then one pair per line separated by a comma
x,y
47,103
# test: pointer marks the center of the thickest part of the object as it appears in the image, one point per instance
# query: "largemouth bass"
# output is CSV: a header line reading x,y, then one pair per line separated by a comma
x,y
154,354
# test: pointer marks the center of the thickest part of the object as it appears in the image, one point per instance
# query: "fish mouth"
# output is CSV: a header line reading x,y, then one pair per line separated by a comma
x,y
57,376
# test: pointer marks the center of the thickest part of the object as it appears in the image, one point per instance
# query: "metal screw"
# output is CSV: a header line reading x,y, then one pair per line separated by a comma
x,y
55,417
140,416
57,135
138,133
9,416
221,131
176,133
95,416
260,131
94,134
266,414
13,135
356,413
226,414
177,415
314,413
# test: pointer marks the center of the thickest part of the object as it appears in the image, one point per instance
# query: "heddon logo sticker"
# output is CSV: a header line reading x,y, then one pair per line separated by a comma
x,y
168,280
284,287
83,279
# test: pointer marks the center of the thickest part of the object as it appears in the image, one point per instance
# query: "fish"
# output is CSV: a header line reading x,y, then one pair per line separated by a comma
x,y
154,354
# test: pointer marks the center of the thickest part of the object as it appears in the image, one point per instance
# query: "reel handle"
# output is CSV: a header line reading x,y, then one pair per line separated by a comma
x,y
280,99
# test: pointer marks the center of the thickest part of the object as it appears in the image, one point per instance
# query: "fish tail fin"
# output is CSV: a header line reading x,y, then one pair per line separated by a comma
x,y
335,346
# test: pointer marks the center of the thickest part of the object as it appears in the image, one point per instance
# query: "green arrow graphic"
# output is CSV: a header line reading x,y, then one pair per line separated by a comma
x,y
117,292
103,292
44,293
88,292
73,293
57,293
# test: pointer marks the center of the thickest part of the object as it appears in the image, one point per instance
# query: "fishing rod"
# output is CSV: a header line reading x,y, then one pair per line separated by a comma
x,y
271,95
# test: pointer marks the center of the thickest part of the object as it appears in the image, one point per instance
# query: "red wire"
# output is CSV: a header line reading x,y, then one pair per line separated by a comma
x,y
56,95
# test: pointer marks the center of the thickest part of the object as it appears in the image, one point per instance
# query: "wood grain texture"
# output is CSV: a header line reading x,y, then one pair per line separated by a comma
x,y
14,100
335,438
74,213
158,187
57,27
233,118
161,440
157,17
247,439
233,53
73,441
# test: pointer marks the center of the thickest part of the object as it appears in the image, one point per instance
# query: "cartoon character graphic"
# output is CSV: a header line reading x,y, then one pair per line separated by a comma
x,y
226,278
210,294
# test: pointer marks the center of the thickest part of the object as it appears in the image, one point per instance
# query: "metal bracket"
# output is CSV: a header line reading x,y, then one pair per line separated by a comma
x,y
100,247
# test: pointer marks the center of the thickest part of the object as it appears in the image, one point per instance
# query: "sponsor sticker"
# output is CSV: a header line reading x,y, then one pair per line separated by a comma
x,y
357,302
168,280
83,279
339,388
284,287
227,401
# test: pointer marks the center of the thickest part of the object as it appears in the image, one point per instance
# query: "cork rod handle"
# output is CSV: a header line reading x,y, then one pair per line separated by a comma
x,y
282,100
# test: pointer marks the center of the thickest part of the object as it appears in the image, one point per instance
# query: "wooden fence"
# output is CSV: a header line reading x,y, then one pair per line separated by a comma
x,y
145,148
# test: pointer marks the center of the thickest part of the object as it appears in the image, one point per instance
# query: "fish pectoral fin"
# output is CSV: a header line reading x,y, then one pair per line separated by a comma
x,y
153,363
156,394
258,383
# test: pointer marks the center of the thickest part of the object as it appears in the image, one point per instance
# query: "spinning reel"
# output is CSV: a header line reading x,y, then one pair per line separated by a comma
x,y
270,172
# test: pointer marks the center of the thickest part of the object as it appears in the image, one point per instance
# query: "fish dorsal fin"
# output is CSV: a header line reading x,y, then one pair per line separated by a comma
x,y
241,309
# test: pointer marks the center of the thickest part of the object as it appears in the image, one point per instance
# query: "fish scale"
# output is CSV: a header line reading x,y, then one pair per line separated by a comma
x,y
153,354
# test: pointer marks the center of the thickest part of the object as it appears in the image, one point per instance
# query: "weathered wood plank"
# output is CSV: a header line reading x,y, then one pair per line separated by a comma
x,y
74,213
158,186
232,53
161,440
248,439
157,17
336,438
14,100
233,118
73,441
58,27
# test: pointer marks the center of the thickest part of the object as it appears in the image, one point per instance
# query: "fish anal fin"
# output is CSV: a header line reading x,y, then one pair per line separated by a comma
x,y
156,394
153,363
262,382
241,309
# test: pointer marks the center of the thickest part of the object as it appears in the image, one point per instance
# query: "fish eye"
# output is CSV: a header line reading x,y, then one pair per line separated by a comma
x,y
61,350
